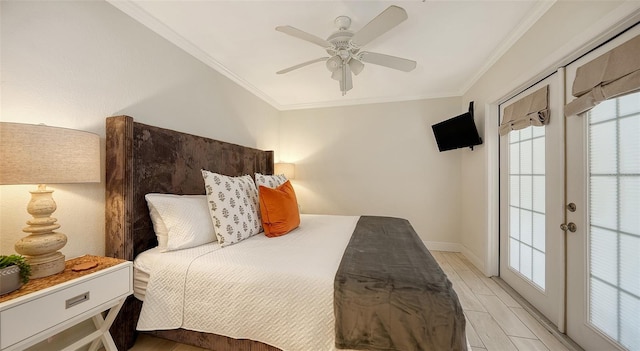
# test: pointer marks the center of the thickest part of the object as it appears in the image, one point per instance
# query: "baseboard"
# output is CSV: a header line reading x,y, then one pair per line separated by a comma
x,y
443,246
473,258
455,247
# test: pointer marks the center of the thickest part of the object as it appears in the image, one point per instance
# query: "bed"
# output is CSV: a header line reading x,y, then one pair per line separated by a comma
x,y
144,159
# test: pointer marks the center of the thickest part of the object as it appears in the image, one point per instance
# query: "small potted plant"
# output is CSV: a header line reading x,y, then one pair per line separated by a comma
x,y
14,271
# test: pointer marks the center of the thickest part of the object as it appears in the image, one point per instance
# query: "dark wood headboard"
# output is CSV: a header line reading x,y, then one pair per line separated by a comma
x,y
143,159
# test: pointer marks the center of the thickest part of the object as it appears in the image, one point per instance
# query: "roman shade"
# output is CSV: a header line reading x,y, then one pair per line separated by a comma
x,y
612,74
531,110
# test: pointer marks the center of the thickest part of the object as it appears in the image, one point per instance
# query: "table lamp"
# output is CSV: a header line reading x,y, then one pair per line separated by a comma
x,y
288,169
39,154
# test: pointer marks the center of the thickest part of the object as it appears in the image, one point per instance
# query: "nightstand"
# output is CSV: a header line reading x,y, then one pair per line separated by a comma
x,y
37,313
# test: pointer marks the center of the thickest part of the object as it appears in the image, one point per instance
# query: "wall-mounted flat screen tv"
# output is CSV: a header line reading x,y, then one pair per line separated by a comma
x,y
457,132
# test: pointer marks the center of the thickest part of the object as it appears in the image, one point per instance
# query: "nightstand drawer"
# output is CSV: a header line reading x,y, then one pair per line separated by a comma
x,y
35,316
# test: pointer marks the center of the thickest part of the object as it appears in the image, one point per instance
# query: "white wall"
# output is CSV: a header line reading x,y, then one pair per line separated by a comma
x,y
565,28
377,159
344,156
71,64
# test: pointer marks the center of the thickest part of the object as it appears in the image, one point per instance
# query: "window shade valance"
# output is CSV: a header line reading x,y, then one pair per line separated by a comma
x,y
614,73
531,110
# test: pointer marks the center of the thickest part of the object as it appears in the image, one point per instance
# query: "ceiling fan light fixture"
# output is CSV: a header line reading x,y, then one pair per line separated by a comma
x,y
334,63
336,75
356,66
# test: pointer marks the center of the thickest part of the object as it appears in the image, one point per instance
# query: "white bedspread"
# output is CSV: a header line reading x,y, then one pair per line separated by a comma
x,y
278,291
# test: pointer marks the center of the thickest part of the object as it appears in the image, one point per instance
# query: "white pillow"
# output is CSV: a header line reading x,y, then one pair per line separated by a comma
x,y
270,181
162,233
180,221
233,204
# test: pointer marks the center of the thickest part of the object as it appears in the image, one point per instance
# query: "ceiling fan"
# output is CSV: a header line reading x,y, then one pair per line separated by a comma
x,y
344,46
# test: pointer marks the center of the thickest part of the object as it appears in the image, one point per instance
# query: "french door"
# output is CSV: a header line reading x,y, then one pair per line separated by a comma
x,y
531,202
603,184
570,208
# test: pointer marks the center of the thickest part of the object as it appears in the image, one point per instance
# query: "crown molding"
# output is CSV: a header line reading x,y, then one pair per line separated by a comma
x,y
140,15
134,11
365,101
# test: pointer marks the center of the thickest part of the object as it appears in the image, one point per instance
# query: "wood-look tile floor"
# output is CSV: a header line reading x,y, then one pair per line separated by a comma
x,y
495,321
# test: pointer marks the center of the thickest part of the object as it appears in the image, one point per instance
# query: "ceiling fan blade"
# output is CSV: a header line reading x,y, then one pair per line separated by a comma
x,y
356,66
295,32
346,83
301,65
388,61
386,20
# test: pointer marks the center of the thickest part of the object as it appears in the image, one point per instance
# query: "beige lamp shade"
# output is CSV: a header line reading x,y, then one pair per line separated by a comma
x,y
39,154
288,169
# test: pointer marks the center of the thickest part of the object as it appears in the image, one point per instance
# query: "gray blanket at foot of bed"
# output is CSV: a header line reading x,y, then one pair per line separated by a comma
x,y
390,293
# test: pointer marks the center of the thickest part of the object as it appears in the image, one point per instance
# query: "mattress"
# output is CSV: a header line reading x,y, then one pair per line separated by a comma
x,y
144,262
278,291
140,281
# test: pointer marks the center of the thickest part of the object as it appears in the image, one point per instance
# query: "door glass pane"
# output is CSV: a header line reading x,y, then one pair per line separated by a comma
x,y
514,253
629,205
604,263
538,267
539,231
514,221
629,144
538,157
604,307
538,189
629,104
614,221
526,161
601,113
526,203
603,147
526,258
629,264
629,307
604,200
514,191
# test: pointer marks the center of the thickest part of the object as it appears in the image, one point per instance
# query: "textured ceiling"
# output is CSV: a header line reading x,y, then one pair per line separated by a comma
x,y
453,42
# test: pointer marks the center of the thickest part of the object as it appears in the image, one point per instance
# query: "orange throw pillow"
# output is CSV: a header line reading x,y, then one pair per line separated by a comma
x,y
279,210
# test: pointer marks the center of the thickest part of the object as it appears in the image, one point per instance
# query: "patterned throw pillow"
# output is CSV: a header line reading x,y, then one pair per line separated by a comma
x,y
270,181
233,203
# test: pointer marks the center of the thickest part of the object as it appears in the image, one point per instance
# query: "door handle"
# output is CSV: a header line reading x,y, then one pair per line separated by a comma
x,y
569,226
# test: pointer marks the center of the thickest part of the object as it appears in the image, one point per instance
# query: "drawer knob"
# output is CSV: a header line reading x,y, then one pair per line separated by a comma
x,y
77,300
